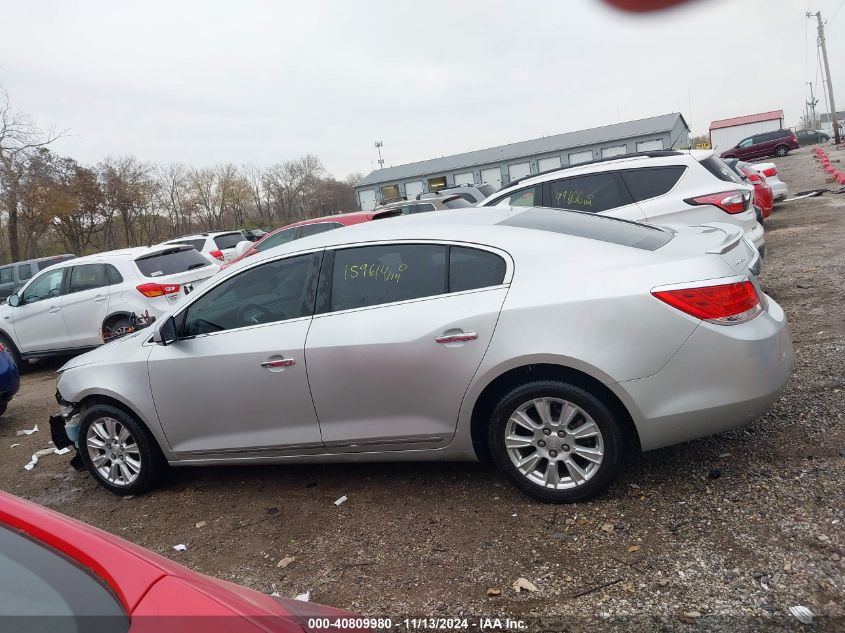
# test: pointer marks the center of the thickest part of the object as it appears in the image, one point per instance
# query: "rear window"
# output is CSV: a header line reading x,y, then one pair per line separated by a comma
x,y
321,227
718,168
171,262
487,190
228,240
44,263
41,590
602,228
651,181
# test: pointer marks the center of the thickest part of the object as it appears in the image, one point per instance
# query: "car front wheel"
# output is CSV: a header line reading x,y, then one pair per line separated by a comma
x,y
556,441
118,451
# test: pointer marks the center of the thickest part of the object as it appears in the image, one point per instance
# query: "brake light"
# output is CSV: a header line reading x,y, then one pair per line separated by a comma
x,y
726,304
771,171
752,177
157,290
216,255
2,348
728,201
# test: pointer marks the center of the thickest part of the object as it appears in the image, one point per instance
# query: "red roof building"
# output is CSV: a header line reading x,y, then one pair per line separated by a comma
x,y
727,133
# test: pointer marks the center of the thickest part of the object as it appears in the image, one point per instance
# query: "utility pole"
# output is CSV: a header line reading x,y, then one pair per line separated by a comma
x,y
812,104
833,120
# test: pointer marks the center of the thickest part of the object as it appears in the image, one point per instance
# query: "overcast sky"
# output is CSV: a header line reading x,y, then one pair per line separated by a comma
x,y
260,82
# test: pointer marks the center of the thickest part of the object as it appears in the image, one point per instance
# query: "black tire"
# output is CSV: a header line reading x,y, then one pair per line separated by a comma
x,y
22,365
781,151
600,477
3,405
152,463
116,327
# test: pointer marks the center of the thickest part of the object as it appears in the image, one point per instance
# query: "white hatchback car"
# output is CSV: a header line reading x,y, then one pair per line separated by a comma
x,y
78,304
663,187
218,247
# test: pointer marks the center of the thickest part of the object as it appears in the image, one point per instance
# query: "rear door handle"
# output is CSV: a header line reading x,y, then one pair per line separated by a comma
x,y
278,363
100,298
456,338
54,309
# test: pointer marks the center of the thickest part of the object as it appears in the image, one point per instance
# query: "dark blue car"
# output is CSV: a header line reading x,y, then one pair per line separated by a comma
x,y
10,380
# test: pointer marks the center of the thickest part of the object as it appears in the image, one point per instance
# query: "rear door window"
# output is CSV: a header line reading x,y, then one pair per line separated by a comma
x,y
592,193
374,275
88,277
6,276
42,590
24,272
528,197
651,181
170,262
471,268
228,240
276,291
320,227
277,239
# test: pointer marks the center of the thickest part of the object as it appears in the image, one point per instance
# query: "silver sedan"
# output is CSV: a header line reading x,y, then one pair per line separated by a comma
x,y
548,341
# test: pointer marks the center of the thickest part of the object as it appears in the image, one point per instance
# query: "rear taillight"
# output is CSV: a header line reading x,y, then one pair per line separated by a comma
x,y
754,178
157,290
728,201
771,171
216,255
726,304
2,348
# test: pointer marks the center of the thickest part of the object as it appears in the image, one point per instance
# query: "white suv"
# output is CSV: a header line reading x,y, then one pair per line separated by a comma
x,y
75,305
664,187
217,247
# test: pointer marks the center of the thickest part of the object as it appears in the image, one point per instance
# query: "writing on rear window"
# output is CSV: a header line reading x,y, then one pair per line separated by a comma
x,y
574,196
383,272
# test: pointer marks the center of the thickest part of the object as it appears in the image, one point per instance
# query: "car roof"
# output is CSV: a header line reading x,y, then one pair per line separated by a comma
x,y
633,160
479,225
123,253
196,236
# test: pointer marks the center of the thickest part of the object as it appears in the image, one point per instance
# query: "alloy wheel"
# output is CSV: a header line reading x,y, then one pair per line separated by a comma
x,y
554,443
113,451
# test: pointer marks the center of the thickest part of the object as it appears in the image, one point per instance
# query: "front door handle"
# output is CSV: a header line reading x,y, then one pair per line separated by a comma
x,y
100,298
278,363
54,310
456,338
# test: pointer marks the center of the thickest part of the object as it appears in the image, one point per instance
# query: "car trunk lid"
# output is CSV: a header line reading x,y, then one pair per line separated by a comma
x,y
717,238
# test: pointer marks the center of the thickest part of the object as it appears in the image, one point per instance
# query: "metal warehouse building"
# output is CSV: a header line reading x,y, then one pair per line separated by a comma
x,y
500,165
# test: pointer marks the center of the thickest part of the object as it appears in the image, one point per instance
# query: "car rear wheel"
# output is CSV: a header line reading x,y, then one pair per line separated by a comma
x,y
555,441
116,327
781,150
118,451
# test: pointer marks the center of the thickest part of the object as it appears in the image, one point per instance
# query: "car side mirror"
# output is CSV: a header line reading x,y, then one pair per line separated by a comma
x,y
13,300
242,247
165,334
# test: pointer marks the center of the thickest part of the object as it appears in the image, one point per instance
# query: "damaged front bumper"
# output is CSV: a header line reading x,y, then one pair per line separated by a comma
x,y
64,428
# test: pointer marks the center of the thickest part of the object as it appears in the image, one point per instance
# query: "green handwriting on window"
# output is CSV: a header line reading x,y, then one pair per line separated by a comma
x,y
378,272
574,197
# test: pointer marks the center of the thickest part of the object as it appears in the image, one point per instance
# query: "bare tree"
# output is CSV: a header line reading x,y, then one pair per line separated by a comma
x,y
19,138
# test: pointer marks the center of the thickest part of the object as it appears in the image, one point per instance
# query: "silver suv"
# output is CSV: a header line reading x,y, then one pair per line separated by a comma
x,y
548,341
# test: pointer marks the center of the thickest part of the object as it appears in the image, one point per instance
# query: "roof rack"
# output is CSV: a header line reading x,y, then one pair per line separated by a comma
x,y
652,154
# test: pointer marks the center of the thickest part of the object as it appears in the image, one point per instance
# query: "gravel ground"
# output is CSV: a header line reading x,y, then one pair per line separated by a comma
x,y
724,533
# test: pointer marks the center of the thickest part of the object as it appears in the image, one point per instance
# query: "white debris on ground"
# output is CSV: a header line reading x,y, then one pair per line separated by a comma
x,y
27,431
42,453
341,500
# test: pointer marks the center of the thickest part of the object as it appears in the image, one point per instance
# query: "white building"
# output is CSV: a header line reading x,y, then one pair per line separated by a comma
x,y
826,127
726,133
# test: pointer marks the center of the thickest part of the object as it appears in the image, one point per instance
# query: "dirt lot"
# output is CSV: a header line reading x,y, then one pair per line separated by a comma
x,y
722,533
